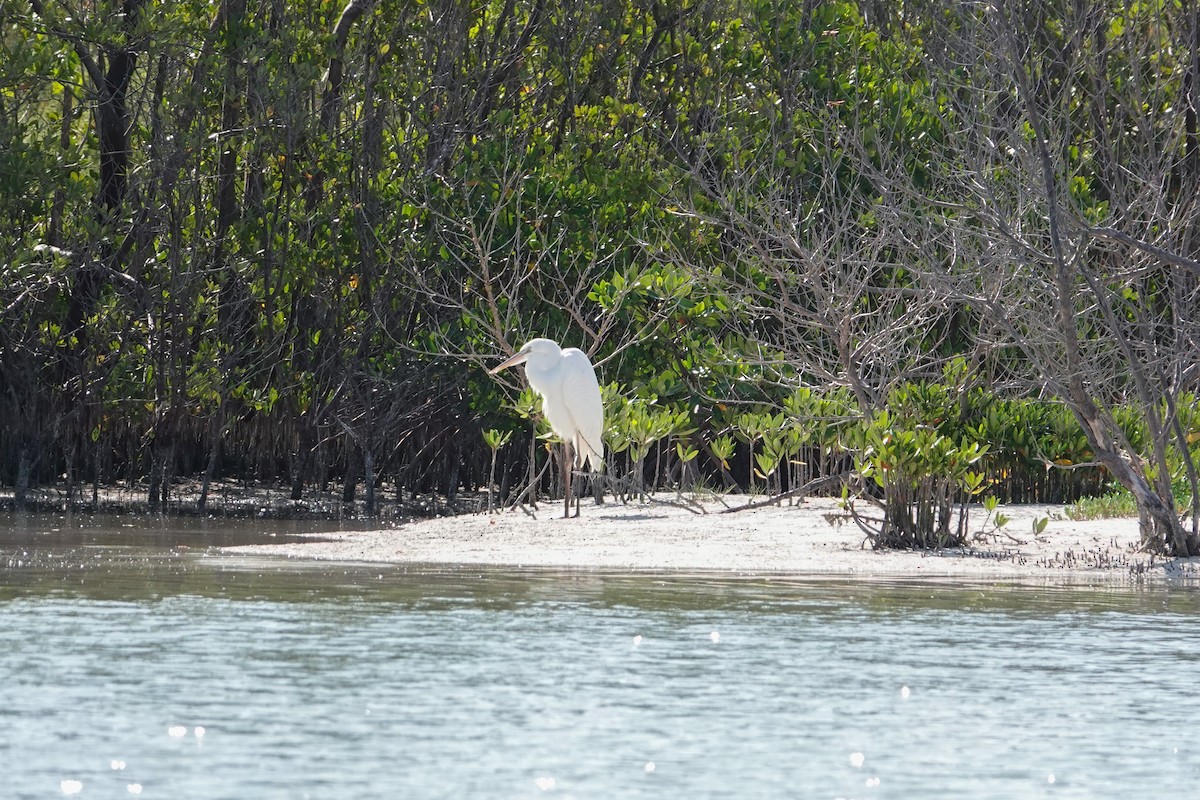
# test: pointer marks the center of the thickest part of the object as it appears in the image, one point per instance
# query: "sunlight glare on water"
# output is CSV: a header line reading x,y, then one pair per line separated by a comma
x,y
188,674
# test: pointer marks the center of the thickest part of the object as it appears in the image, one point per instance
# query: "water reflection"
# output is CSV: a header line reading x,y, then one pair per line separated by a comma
x,y
133,665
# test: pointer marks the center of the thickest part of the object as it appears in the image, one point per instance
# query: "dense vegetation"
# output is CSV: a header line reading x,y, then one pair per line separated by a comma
x,y
925,250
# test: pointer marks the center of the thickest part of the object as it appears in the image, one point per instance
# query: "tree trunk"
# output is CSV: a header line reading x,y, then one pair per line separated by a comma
x,y
300,458
369,481
24,471
1161,528
216,431
112,127
350,481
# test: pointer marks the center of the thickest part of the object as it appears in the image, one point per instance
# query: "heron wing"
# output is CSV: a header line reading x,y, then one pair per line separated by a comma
x,y
581,393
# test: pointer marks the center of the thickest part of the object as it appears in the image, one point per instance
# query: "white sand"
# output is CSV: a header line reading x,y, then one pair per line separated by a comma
x,y
814,538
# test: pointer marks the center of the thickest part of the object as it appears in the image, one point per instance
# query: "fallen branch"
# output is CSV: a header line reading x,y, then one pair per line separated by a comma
x,y
800,492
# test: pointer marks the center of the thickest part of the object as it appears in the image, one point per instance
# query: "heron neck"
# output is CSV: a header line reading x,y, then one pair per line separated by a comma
x,y
540,378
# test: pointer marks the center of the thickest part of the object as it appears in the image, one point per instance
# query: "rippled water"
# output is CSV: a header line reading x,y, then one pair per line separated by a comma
x,y
132,666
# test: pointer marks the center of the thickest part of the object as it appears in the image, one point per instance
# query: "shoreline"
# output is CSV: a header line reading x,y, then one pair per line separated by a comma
x,y
813,538
235,500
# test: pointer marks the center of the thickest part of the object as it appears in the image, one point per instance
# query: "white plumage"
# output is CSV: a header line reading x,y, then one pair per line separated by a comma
x,y
570,395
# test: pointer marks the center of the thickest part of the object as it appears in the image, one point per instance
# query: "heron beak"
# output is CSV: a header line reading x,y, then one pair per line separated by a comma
x,y
517,358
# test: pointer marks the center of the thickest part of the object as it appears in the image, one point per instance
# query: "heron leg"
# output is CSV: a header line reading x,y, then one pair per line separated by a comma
x,y
575,492
567,456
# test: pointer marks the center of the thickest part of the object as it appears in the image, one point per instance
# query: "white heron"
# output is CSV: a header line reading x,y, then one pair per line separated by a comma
x,y
571,402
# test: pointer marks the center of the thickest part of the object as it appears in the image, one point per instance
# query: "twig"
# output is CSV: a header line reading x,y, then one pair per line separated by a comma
x,y
529,487
688,505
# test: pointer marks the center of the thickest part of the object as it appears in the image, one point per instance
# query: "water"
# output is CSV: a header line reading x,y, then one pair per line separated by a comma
x,y
130,666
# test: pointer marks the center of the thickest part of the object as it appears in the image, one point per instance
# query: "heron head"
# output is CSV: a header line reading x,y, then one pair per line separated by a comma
x,y
533,349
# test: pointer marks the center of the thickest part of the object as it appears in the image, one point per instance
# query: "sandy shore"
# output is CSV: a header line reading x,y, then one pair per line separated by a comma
x,y
809,539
